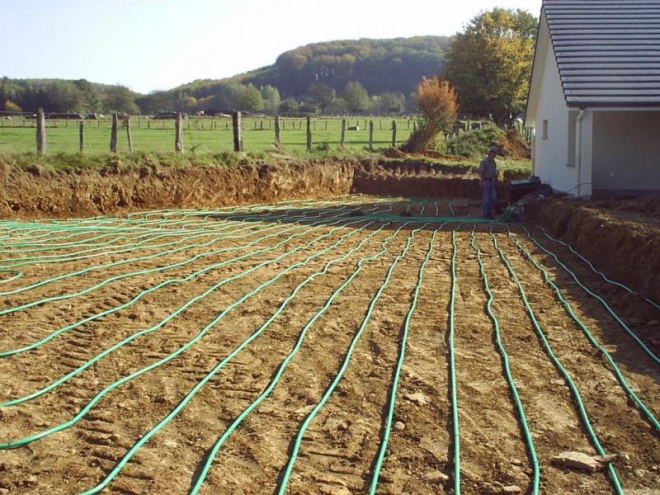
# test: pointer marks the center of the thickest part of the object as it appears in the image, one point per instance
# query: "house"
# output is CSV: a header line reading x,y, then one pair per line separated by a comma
x,y
594,97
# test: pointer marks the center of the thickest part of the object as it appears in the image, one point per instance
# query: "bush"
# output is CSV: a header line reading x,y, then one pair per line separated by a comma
x,y
475,143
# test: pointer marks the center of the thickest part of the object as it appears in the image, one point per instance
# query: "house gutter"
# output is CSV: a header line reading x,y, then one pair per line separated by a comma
x,y
578,150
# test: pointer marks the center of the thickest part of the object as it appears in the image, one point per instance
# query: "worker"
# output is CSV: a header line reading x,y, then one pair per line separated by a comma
x,y
488,183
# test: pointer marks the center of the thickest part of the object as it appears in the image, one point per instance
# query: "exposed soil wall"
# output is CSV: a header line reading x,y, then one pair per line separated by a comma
x,y
621,238
115,189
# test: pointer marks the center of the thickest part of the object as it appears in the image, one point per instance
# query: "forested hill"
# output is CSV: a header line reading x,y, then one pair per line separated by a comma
x,y
380,65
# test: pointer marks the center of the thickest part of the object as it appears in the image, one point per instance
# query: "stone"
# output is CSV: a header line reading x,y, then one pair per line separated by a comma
x,y
435,477
579,460
418,398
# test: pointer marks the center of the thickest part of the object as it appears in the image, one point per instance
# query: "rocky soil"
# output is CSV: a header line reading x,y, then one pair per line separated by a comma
x,y
378,334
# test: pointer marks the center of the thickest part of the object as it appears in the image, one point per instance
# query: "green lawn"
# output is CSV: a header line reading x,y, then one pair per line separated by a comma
x,y
202,135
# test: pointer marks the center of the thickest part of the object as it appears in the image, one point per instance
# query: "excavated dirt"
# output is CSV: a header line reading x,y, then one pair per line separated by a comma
x,y
346,285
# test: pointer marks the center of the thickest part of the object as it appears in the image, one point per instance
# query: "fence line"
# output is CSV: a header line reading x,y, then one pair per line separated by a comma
x,y
277,132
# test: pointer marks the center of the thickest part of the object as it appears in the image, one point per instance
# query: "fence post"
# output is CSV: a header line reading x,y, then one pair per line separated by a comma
x,y
128,133
81,127
371,135
309,133
178,133
41,132
343,132
277,131
113,133
394,134
238,134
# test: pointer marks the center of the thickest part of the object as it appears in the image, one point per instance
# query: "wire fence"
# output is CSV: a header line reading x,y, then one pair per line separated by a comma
x,y
203,134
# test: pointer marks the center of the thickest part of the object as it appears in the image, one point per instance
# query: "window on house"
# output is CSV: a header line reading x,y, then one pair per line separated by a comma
x,y
544,133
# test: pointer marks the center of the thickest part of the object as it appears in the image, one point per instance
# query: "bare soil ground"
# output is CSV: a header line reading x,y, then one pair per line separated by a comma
x,y
282,328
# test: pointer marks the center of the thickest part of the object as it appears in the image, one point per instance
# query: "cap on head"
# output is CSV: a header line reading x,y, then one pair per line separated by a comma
x,y
494,149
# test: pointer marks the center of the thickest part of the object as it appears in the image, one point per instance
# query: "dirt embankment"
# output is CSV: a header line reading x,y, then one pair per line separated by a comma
x,y
621,238
115,189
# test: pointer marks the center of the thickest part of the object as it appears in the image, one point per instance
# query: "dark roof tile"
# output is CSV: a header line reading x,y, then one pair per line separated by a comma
x,y
607,51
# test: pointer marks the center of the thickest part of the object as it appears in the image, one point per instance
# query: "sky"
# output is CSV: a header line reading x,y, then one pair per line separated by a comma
x,y
153,45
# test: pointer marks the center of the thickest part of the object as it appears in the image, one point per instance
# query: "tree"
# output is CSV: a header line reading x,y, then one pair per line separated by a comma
x,y
249,99
272,99
10,106
289,105
490,63
91,102
322,94
225,97
63,96
357,98
436,101
9,90
157,101
388,104
337,107
120,99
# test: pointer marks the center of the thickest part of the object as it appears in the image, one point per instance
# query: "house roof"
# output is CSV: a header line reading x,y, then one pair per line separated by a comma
x,y
607,51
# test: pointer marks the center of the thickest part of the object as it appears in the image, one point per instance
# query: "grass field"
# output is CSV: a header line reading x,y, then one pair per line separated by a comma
x,y
201,135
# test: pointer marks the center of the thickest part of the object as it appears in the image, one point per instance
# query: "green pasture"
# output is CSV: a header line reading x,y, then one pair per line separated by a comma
x,y
202,135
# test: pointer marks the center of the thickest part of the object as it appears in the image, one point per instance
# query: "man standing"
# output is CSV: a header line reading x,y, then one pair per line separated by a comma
x,y
488,183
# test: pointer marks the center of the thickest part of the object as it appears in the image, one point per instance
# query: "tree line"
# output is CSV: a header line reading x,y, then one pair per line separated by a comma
x,y
488,65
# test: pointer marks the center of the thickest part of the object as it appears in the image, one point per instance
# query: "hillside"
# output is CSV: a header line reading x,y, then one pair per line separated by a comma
x,y
380,65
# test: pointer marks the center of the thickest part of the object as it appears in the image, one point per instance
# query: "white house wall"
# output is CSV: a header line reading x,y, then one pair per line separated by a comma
x,y
626,163
551,152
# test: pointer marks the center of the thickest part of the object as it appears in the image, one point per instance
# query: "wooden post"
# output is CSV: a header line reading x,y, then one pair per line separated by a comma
x,y
394,134
371,135
309,133
277,131
81,128
128,134
343,132
41,132
238,134
178,133
113,133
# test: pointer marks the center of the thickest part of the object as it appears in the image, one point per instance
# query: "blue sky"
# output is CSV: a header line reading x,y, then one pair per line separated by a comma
x,y
150,45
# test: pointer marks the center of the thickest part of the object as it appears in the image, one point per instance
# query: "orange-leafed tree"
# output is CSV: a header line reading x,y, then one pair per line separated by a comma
x,y
436,101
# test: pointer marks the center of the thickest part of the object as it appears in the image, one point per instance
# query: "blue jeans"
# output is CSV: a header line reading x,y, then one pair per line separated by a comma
x,y
488,197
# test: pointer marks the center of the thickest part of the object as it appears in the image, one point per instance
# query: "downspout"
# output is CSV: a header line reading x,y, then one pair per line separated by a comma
x,y
578,150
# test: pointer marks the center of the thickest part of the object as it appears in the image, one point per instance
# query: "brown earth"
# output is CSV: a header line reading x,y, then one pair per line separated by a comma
x,y
277,288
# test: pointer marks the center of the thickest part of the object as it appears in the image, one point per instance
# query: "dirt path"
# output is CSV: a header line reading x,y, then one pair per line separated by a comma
x,y
328,347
